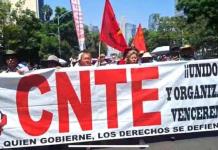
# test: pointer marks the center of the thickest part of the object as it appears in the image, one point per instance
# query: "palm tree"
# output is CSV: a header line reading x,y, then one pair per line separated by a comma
x,y
47,12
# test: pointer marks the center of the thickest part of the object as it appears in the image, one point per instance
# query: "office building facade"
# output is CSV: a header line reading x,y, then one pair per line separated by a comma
x,y
130,30
153,22
33,5
93,28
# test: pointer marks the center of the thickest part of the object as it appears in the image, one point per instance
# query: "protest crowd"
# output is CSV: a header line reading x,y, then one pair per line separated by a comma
x,y
130,56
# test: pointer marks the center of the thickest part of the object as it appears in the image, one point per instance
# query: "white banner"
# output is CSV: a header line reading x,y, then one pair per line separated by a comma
x,y
78,20
71,105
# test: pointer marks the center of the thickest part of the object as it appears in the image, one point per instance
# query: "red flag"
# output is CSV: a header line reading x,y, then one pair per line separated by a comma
x,y
110,30
139,40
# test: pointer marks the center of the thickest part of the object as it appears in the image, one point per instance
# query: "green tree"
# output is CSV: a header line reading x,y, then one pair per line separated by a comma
x,y
48,45
69,41
5,8
169,32
47,12
35,39
20,32
92,43
204,9
59,11
49,34
202,17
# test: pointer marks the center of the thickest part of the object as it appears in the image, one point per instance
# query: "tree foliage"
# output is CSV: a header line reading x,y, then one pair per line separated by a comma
x,y
35,39
201,23
168,33
47,12
200,9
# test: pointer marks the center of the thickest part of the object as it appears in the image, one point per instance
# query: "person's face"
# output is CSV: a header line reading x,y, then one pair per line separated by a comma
x,y
102,58
145,59
133,59
12,61
52,64
85,60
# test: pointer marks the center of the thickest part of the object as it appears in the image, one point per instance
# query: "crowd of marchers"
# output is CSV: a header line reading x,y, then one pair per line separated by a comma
x,y
130,56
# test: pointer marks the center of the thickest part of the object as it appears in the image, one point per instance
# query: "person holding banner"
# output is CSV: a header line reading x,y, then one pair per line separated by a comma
x,y
101,60
146,58
132,57
53,61
3,121
122,61
84,59
12,63
174,53
187,52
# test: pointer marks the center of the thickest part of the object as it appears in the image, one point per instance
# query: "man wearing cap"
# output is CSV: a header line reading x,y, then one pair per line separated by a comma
x,y
3,121
101,61
12,63
146,58
53,61
187,52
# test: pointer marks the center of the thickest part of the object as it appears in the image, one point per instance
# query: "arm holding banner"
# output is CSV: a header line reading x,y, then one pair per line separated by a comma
x,y
3,121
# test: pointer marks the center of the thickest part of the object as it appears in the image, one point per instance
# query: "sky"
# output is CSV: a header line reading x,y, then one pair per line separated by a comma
x,y
134,11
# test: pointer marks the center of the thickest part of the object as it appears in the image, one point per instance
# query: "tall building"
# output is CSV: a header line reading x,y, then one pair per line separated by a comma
x,y
123,25
40,6
130,30
93,28
33,5
153,21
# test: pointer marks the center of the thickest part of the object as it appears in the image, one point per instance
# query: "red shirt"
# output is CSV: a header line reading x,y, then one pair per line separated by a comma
x,y
121,62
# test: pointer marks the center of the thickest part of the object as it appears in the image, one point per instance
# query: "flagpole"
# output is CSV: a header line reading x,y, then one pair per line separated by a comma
x,y
99,52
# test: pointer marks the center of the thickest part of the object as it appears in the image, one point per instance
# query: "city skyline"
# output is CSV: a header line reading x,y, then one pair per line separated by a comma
x,y
135,12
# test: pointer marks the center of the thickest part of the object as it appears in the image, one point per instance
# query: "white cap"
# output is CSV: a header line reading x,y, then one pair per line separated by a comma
x,y
146,54
53,58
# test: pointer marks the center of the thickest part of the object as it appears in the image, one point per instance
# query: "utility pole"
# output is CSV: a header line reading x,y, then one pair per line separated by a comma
x,y
59,35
